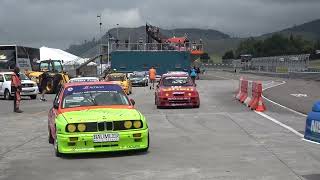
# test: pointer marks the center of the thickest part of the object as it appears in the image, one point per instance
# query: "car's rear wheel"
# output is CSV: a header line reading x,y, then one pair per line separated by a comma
x,y
7,95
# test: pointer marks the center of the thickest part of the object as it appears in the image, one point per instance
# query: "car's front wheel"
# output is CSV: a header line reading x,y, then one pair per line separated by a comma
x,y
7,95
56,148
147,148
33,97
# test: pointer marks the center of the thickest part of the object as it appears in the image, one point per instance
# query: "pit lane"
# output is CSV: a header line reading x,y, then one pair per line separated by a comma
x,y
221,140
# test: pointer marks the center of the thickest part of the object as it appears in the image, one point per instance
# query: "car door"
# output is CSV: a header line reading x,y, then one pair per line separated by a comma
x,y
1,84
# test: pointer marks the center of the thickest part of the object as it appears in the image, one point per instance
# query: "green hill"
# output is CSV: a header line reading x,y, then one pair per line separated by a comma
x,y
214,40
309,31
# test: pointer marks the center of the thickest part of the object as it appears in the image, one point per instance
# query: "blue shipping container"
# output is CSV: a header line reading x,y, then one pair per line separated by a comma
x,y
163,61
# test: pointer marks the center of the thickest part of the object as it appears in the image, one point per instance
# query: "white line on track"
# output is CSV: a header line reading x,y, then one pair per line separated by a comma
x,y
280,123
289,109
276,121
313,142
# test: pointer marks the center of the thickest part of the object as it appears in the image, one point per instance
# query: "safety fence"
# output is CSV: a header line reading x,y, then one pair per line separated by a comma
x,y
250,94
280,64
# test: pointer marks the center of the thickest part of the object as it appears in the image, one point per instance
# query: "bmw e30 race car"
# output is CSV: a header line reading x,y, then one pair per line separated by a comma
x,y
95,117
176,89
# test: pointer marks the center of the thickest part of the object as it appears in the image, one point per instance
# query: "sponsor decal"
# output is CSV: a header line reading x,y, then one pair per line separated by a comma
x,y
315,126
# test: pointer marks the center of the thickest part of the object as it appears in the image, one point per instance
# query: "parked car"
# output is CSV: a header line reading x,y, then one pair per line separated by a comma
x,y
29,88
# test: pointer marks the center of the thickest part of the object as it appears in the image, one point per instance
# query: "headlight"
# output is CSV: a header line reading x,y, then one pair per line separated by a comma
x,y
137,124
81,127
71,128
127,124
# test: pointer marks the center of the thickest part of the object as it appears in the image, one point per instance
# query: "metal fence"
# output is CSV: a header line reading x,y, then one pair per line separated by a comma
x,y
281,64
155,47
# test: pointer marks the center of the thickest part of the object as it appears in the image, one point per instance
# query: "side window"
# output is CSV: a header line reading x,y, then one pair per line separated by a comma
x,y
1,78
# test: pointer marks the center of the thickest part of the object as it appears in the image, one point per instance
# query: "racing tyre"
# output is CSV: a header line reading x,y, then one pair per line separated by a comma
x,y
33,97
147,148
7,95
56,148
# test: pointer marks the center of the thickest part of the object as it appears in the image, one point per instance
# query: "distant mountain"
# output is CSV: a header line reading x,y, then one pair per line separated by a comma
x,y
215,42
309,30
211,39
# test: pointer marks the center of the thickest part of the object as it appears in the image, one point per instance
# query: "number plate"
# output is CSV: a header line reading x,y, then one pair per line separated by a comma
x,y
109,137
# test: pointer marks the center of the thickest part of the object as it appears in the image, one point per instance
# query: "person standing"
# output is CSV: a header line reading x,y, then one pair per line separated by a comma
x,y
152,76
43,84
193,75
16,89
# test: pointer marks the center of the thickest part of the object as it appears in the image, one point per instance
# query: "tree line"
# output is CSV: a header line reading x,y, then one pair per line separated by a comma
x,y
276,45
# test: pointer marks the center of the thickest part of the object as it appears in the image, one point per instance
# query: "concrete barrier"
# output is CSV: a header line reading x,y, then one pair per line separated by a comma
x,y
250,93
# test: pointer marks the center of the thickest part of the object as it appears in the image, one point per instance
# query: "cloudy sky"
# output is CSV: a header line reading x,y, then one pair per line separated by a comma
x,y
58,23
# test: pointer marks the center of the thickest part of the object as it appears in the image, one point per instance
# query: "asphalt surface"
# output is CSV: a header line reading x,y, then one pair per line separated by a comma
x,y
222,139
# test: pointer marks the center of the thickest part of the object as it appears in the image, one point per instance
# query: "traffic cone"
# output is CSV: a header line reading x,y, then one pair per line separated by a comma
x,y
261,107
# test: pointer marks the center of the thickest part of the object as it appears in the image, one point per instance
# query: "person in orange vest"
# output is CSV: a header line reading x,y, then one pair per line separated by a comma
x,y
152,76
16,89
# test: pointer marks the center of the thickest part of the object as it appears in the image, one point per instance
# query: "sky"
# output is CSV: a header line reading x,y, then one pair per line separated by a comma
x,y
59,23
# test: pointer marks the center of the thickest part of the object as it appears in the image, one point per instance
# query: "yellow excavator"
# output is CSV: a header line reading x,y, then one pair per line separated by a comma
x,y
57,76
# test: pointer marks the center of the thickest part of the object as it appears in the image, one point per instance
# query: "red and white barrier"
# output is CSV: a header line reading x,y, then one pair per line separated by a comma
x,y
250,93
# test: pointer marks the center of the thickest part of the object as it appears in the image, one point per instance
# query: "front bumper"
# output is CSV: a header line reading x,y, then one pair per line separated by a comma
x,y
85,143
30,91
181,101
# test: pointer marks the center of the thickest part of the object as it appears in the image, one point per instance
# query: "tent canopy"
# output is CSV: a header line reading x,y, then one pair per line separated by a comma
x,y
58,54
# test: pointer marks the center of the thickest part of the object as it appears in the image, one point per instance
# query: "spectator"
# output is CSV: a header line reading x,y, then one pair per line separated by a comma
x,y
198,72
16,89
43,84
152,76
193,75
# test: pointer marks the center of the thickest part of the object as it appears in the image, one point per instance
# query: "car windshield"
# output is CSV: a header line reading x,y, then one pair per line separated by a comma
x,y
137,76
115,78
22,77
94,98
177,81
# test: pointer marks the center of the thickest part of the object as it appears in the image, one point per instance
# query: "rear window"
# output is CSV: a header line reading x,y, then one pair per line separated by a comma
x,y
177,81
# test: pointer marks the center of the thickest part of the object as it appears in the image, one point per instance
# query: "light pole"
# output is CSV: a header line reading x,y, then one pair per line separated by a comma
x,y
100,46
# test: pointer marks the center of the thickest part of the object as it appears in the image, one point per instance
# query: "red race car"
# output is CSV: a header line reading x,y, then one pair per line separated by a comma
x,y
176,89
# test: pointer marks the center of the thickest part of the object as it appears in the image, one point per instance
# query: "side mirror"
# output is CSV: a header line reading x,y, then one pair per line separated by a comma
x,y
132,102
55,105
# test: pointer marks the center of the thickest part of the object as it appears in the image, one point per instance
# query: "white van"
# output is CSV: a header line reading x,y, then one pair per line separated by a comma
x,y
29,88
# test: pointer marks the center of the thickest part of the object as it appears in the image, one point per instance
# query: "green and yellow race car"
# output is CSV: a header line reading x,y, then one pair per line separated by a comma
x,y
95,117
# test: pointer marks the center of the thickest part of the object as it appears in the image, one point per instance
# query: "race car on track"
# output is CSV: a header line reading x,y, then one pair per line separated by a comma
x,y
138,79
122,80
175,89
95,117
